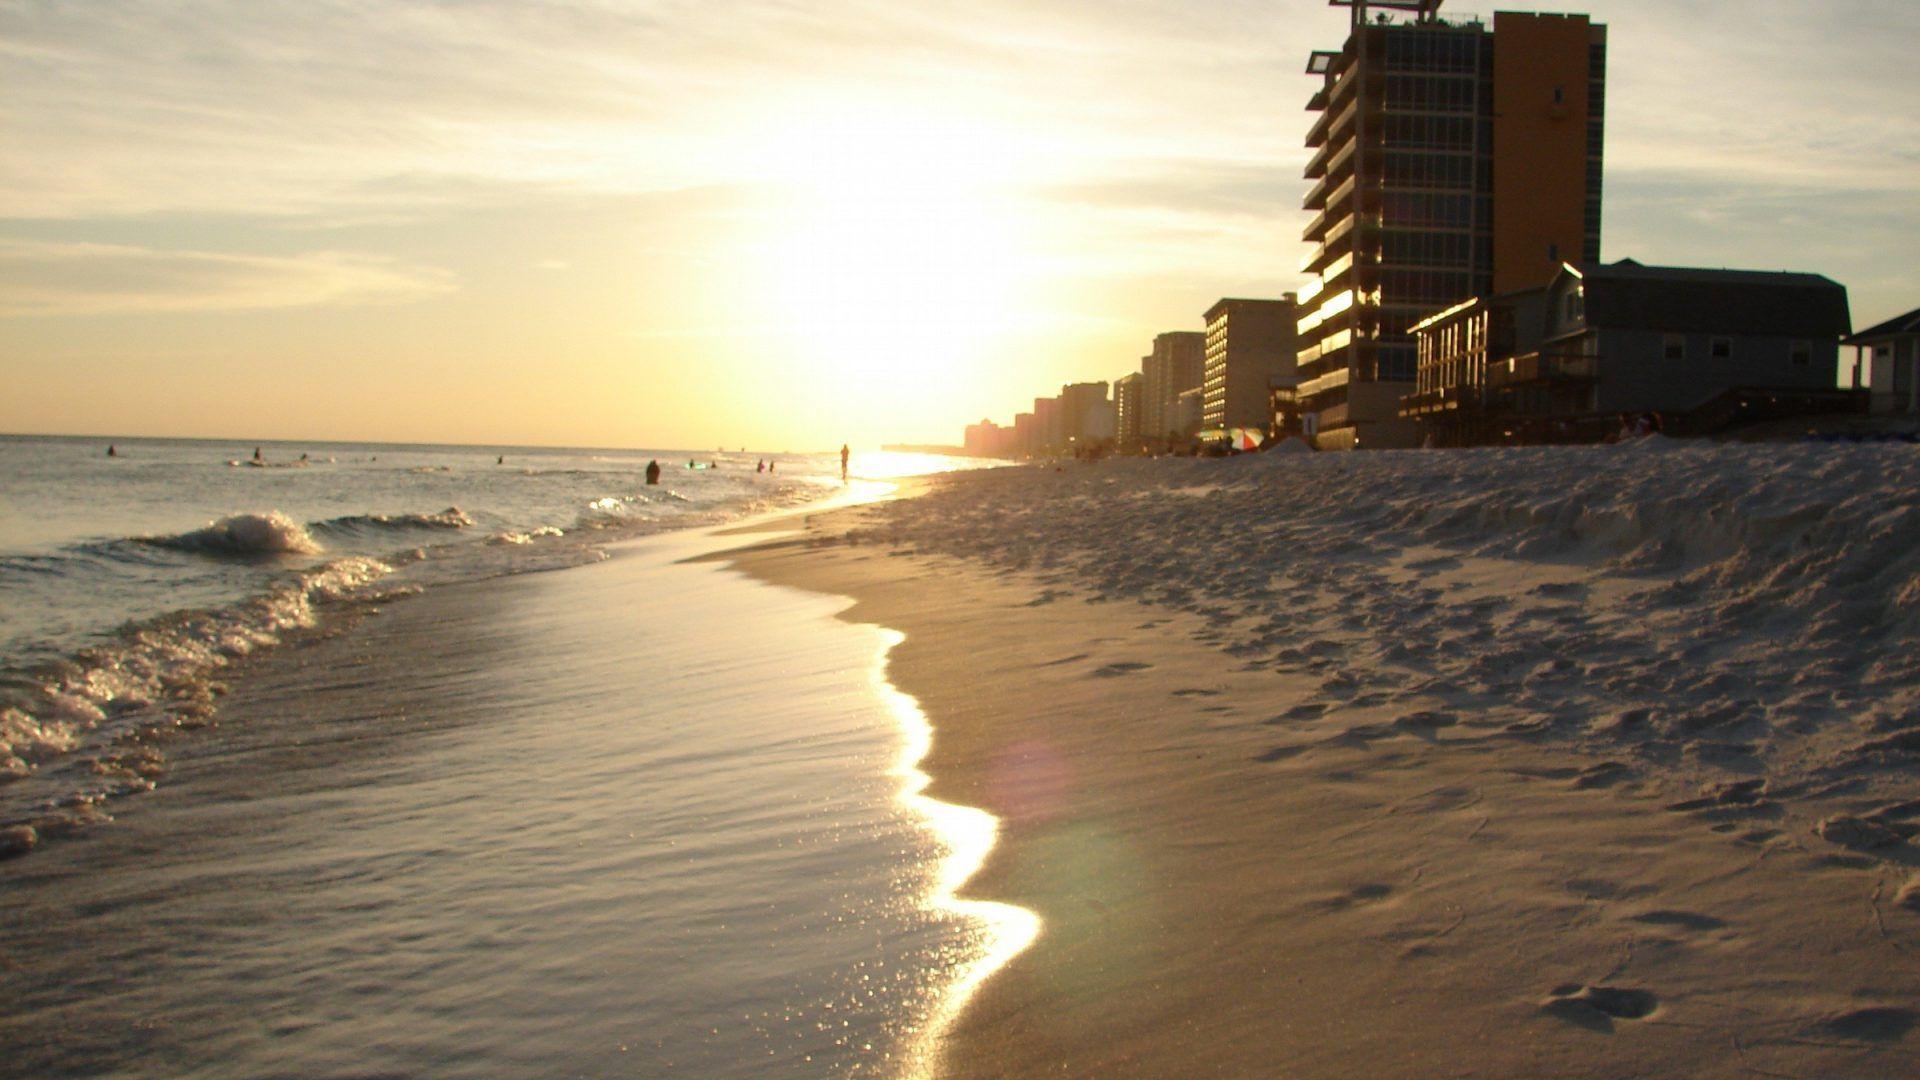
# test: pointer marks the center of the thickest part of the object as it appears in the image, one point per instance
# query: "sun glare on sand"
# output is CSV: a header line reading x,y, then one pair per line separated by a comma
x,y
893,257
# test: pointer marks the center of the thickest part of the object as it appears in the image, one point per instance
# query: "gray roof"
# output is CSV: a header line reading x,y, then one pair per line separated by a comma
x,y
1898,326
1677,299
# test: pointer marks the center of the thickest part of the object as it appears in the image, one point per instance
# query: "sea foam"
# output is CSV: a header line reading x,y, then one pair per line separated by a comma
x,y
150,675
271,533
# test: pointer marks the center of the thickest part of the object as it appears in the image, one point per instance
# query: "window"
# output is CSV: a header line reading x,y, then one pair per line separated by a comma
x,y
1676,347
1802,353
1722,348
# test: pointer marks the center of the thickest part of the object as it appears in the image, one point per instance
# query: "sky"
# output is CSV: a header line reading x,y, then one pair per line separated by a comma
x,y
785,224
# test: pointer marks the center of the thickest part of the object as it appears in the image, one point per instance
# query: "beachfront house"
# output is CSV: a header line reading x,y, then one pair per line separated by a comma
x,y
1452,350
1887,363
1704,348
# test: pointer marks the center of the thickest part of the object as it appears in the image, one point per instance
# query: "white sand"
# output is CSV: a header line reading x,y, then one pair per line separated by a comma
x,y
1586,761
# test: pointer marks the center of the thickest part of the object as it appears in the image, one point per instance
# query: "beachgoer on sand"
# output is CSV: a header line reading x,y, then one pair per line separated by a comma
x,y
843,463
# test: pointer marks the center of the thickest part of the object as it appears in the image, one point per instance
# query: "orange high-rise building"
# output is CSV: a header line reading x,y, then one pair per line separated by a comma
x,y
1451,160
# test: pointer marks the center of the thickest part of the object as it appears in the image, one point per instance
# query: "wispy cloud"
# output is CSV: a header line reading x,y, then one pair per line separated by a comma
x,y
41,279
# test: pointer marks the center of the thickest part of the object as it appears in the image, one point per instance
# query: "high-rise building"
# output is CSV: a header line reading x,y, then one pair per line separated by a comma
x,y
1249,344
1048,430
1450,159
1177,363
1084,413
1026,439
1126,412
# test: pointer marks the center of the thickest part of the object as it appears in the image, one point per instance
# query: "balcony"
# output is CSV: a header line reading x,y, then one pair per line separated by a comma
x,y
1317,134
1542,368
1337,161
1343,120
1317,194
1314,260
1341,193
1444,399
1315,228
1322,384
1335,271
1323,159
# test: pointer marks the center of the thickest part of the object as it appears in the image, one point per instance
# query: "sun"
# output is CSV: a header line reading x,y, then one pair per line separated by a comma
x,y
892,258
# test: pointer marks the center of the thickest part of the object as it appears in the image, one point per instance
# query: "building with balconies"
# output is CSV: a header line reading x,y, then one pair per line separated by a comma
x,y
1451,159
1453,348
1249,344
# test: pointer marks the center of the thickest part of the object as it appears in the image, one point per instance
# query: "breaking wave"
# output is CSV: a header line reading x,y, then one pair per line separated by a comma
x,y
79,726
272,533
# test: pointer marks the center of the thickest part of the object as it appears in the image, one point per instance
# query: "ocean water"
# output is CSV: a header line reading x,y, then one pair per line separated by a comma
x,y
127,583
305,774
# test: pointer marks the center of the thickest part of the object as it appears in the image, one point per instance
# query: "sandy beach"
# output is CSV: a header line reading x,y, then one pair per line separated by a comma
x,y
1607,774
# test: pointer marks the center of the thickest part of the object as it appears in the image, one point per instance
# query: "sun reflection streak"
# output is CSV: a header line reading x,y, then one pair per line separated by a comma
x,y
967,833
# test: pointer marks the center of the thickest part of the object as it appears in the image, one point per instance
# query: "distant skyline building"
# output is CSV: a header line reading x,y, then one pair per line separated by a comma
x,y
1126,411
1185,417
988,439
1249,343
1047,429
1177,363
1450,160
1085,414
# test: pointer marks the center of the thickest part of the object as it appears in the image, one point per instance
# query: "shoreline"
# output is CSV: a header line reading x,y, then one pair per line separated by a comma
x,y
1233,878
628,817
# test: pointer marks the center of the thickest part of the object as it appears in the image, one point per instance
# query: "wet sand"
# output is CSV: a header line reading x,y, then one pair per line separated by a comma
x,y
1238,878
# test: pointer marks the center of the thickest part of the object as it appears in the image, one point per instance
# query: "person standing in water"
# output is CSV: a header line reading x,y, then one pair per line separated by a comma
x,y
653,472
843,463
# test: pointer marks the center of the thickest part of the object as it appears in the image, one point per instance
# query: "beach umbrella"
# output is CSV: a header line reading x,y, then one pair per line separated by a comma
x,y
1245,439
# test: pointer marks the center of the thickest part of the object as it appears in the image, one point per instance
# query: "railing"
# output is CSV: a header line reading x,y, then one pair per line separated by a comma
x,y
1332,380
1542,367
1438,400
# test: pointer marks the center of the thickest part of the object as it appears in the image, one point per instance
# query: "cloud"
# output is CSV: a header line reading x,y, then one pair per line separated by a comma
x,y
55,279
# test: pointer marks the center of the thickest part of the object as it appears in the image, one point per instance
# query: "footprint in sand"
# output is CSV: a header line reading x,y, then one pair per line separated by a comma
x,y
1597,1007
1311,710
1685,920
1197,692
1604,774
1425,721
1602,889
1124,667
1354,897
1065,660
1879,1023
